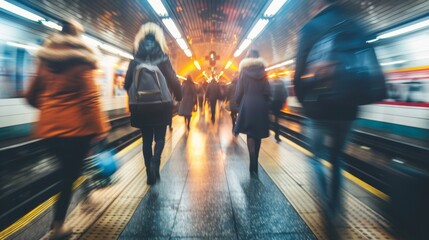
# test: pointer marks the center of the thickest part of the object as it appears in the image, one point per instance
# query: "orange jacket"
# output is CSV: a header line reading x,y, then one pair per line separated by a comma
x,y
68,99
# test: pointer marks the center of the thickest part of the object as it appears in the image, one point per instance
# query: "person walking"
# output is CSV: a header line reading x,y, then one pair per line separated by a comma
x,y
200,95
252,94
278,98
65,92
330,122
232,105
150,48
189,99
213,94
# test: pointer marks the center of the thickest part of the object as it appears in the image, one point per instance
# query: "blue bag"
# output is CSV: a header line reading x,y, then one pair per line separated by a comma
x,y
105,163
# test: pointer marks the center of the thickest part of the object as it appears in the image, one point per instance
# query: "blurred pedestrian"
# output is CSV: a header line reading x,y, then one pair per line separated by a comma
x,y
330,122
213,94
278,98
200,95
65,92
188,101
252,94
232,105
152,119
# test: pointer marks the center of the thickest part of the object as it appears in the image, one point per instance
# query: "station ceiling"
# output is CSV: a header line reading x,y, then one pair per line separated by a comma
x,y
219,25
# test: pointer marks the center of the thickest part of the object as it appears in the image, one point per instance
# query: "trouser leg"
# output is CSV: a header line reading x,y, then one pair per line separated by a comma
x,y
147,136
159,147
253,145
276,125
213,110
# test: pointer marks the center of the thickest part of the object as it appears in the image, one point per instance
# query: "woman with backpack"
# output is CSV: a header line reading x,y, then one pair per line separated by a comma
x,y
252,94
150,50
188,102
66,95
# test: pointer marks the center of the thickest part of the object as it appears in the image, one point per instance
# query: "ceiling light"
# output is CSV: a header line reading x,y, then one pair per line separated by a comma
x,y
274,7
228,64
188,52
182,43
158,7
126,55
393,63
245,44
406,29
52,25
285,63
181,77
20,11
174,31
372,40
238,52
260,25
197,65
91,41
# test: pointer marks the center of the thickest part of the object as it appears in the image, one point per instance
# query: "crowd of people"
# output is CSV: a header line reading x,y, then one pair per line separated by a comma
x,y
65,87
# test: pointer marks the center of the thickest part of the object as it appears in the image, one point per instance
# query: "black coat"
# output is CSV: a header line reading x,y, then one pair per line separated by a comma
x,y
309,35
252,94
154,117
233,106
189,98
213,91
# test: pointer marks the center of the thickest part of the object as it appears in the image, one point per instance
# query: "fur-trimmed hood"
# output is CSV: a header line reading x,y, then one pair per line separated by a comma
x,y
253,68
155,30
65,49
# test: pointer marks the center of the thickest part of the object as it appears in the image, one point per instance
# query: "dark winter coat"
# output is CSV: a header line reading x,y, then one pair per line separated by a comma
x,y
233,106
278,95
309,35
189,98
156,116
252,94
213,91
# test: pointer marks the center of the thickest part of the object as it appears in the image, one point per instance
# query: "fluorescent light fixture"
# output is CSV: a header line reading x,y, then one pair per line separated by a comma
x,y
404,30
372,40
91,41
126,55
274,7
228,64
110,48
197,65
158,7
188,52
20,45
393,63
171,26
238,52
220,74
245,44
259,26
182,43
20,11
52,25
285,63
181,77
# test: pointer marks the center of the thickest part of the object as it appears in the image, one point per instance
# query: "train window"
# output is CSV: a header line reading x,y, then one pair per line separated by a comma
x,y
17,67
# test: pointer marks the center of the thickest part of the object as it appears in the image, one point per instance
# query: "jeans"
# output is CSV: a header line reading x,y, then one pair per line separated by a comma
x,y
148,135
329,191
70,152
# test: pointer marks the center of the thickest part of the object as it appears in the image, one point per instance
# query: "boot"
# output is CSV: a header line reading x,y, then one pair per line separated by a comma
x,y
253,165
150,178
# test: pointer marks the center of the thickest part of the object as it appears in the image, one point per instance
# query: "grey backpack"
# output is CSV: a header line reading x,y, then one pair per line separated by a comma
x,y
149,88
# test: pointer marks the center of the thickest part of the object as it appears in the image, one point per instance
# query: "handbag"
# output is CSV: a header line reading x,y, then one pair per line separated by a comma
x,y
101,167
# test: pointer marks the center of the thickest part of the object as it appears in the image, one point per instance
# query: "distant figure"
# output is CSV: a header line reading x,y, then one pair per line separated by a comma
x,y
152,119
252,94
213,94
65,92
200,95
233,106
278,98
188,101
330,122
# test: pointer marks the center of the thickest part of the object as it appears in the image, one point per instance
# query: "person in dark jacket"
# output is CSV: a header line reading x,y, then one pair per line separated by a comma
x,y
188,101
150,46
331,122
252,94
65,92
200,95
278,98
230,97
213,94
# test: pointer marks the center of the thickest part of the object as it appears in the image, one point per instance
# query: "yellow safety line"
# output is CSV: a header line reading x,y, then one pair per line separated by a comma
x,y
33,214
346,174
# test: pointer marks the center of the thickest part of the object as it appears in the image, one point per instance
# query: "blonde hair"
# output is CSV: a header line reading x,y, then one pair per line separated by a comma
x,y
151,28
